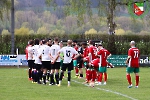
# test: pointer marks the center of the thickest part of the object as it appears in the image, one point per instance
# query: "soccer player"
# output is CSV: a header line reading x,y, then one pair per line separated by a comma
x,y
29,57
75,46
45,58
38,63
55,62
133,64
68,52
92,55
103,54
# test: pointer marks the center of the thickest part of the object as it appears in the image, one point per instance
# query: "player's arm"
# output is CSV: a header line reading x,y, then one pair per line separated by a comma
x,y
129,56
127,61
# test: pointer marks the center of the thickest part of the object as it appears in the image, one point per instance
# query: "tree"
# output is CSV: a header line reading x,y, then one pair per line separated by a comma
x,y
105,8
5,7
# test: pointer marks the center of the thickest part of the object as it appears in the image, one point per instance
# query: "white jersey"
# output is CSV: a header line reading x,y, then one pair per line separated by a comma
x,y
68,53
30,53
37,50
45,52
54,50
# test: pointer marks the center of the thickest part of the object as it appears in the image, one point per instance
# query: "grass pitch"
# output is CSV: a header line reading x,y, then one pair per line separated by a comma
x,y
14,85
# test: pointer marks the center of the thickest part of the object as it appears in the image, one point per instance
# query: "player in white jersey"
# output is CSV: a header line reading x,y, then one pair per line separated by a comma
x,y
68,52
30,58
38,63
55,62
45,58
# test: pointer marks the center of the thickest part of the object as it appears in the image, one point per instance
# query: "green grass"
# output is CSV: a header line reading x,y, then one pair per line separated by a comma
x,y
14,85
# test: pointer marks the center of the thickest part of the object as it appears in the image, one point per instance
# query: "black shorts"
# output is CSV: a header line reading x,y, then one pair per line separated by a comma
x,y
46,65
56,65
31,64
38,66
68,66
80,63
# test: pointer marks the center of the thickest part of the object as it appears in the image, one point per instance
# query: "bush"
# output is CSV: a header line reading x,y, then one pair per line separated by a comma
x,y
116,44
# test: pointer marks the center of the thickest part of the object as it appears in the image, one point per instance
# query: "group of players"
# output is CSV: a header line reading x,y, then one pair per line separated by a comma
x,y
48,60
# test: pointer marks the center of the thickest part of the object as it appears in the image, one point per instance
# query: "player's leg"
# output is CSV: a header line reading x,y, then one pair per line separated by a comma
x,y
57,67
38,68
136,71
80,68
70,67
30,70
44,64
52,74
105,75
63,69
101,71
76,68
128,76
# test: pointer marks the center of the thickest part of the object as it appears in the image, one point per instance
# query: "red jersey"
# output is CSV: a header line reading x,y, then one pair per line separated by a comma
x,y
85,52
92,51
95,63
76,48
134,53
103,53
26,51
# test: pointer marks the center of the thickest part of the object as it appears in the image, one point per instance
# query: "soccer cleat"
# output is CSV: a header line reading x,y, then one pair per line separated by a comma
x,y
68,85
130,86
44,83
104,83
136,86
39,83
30,79
59,85
51,84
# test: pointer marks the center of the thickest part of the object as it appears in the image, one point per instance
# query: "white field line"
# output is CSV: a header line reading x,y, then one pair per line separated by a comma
x,y
106,90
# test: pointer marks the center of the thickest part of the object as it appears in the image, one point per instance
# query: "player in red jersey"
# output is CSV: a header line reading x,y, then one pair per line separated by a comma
x,y
75,46
91,72
102,69
30,68
133,64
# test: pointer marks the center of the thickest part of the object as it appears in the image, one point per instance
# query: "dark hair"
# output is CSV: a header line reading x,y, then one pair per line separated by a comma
x,y
36,41
84,43
56,39
44,41
75,41
91,42
31,42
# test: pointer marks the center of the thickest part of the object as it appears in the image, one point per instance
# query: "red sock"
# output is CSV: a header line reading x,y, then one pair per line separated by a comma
x,y
137,80
86,74
105,77
77,70
100,77
129,79
89,75
93,75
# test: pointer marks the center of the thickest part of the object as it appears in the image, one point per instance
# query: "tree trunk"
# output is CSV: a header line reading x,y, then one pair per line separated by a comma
x,y
12,27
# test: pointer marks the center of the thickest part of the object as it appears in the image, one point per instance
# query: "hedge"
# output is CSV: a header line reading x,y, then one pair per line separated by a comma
x,y
114,43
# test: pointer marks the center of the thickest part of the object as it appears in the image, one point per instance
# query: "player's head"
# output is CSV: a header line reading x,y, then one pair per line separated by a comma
x,y
132,43
31,42
69,42
74,42
100,45
49,42
45,42
91,42
61,44
56,40
36,41
84,44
